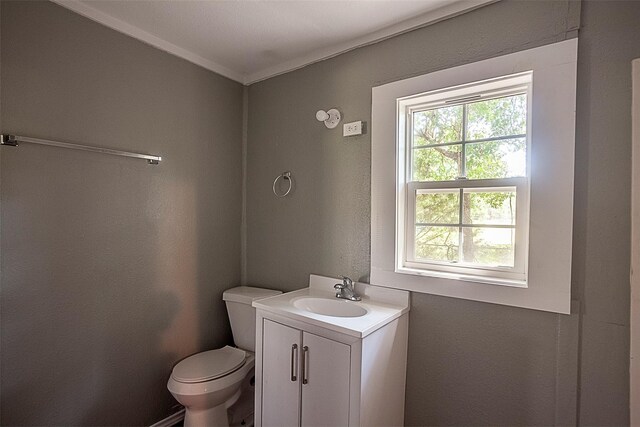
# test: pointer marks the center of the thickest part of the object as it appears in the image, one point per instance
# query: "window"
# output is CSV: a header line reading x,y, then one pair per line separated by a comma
x,y
466,173
472,180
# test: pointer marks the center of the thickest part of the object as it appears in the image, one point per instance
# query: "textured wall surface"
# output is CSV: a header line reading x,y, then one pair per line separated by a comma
x,y
328,214
609,40
470,363
112,270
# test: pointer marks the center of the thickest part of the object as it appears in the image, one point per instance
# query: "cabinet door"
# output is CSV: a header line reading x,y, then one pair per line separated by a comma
x,y
325,385
280,375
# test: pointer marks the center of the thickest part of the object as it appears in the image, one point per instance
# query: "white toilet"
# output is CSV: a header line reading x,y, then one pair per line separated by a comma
x,y
217,385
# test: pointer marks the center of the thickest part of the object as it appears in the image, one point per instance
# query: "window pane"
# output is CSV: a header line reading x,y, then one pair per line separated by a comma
x,y
437,126
488,246
495,207
438,207
497,159
437,164
497,117
437,243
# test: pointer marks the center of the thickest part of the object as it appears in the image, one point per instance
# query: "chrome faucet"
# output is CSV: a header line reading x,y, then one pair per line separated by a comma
x,y
345,290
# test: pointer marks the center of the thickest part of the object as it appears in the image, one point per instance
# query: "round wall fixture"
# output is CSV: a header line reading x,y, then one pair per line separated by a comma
x,y
330,118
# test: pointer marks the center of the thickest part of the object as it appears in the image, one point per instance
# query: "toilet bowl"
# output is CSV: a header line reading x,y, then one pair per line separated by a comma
x,y
207,399
208,384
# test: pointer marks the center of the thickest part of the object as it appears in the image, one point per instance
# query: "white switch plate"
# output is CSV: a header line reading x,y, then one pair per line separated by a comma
x,y
351,129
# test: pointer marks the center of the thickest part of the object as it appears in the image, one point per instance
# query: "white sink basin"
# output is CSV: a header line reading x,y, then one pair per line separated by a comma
x,y
330,307
317,305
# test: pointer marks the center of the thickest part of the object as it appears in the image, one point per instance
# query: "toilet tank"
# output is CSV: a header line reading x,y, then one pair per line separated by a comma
x,y
242,315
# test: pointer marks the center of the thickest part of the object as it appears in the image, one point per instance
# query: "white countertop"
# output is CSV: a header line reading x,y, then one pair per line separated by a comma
x,y
383,305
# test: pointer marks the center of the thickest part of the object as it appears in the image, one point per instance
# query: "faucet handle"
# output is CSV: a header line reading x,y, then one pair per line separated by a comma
x,y
339,286
346,281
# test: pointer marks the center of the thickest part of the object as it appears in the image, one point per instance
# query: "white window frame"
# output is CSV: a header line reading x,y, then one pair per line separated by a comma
x,y
550,170
519,83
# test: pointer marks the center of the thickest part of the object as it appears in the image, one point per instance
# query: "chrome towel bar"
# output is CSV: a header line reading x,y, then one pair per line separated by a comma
x,y
13,140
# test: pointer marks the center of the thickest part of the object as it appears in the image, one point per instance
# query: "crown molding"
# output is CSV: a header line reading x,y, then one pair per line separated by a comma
x,y
146,37
445,12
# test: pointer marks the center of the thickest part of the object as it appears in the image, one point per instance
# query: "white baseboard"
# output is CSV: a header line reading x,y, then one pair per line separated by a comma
x,y
171,420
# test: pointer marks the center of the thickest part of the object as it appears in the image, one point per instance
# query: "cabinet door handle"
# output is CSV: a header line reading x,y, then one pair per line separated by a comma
x,y
305,362
294,365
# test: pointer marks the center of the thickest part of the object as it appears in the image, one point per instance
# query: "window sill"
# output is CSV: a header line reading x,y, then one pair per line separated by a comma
x,y
463,277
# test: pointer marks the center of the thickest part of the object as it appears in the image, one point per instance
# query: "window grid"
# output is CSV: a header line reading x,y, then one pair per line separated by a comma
x,y
462,174
461,224
460,183
463,151
471,141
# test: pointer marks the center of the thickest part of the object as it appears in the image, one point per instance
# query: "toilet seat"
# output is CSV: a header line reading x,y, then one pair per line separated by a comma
x,y
212,386
209,365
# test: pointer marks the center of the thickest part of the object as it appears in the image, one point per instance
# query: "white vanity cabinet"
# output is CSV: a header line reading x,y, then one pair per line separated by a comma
x,y
313,371
305,378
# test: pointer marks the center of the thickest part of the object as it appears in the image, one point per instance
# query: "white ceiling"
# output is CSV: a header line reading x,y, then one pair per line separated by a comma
x,y
249,41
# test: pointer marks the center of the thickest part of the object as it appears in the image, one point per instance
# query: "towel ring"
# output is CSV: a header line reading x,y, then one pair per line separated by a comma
x,y
284,175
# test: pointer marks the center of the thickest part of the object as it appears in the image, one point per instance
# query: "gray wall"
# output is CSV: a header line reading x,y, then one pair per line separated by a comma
x,y
469,362
609,40
112,270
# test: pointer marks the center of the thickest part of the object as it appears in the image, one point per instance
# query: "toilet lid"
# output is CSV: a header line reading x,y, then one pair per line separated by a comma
x,y
208,365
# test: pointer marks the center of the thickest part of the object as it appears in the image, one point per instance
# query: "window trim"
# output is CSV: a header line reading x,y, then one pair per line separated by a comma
x,y
551,179
498,87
